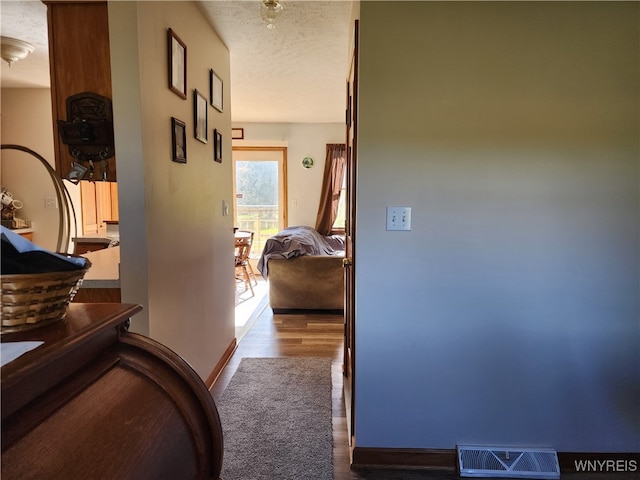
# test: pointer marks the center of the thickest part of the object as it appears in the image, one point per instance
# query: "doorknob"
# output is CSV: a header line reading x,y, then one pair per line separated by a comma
x,y
346,262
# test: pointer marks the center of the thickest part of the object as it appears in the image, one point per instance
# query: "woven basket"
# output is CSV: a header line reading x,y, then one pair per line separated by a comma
x,y
36,299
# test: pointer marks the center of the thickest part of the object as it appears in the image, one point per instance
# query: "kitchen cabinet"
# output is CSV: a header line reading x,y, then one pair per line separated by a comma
x,y
99,205
84,245
25,232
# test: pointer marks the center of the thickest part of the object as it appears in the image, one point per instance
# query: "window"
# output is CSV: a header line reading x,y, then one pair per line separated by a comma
x,y
341,217
331,194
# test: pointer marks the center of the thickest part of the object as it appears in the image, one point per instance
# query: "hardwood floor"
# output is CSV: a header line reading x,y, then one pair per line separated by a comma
x,y
321,335
294,335
309,335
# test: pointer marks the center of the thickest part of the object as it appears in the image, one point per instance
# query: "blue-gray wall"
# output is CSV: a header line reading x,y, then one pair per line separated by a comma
x,y
509,314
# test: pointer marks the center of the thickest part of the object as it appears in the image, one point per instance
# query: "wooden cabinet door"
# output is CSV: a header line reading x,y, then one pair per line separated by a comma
x,y
80,61
114,201
99,203
89,208
103,204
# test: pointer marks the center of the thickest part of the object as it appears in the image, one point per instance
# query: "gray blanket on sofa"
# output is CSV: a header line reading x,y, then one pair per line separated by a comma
x,y
298,241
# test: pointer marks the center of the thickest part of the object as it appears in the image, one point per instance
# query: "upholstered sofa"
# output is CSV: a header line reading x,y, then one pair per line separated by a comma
x,y
306,283
304,270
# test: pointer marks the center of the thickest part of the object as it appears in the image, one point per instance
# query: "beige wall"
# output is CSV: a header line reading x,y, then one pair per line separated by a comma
x,y
177,247
302,140
27,121
509,314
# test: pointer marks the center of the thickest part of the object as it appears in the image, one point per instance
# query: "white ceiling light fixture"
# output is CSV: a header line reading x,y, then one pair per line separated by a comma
x,y
12,49
270,9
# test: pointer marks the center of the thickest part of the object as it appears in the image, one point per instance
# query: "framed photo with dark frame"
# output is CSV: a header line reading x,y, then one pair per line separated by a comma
x,y
217,146
200,113
215,90
178,140
237,134
177,64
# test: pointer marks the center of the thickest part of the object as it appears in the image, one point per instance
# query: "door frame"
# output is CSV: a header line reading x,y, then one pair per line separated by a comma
x,y
282,171
349,366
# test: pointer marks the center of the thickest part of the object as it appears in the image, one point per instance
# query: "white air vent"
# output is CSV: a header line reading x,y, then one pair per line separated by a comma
x,y
512,462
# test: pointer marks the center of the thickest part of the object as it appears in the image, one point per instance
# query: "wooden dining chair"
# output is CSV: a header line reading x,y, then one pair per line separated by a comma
x,y
242,251
247,237
252,273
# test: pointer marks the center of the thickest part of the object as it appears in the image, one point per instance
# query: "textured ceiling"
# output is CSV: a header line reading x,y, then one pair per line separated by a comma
x,y
294,73
26,21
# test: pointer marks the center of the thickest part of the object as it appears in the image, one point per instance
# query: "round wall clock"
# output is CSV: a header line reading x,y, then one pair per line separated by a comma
x,y
307,162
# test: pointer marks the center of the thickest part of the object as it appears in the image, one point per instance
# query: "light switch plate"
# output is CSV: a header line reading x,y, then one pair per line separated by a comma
x,y
50,202
398,218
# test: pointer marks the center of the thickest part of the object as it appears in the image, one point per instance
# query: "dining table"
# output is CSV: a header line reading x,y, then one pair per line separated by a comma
x,y
241,235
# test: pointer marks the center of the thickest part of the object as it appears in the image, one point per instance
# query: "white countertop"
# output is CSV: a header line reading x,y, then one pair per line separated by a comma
x,y
105,269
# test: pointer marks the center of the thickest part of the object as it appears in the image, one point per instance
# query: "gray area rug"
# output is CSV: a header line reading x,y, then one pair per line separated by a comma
x,y
276,420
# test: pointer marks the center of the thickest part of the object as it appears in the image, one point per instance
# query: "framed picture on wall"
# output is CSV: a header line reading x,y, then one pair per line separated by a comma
x,y
177,65
200,116
215,90
217,146
178,140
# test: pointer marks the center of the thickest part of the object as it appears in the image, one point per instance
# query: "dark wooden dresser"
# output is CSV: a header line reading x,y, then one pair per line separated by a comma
x,y
96,401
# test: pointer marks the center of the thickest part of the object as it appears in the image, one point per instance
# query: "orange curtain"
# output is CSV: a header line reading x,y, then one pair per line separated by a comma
x,y
334,166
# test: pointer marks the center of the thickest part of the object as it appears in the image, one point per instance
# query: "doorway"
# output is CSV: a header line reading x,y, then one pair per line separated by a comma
x,y
260,192
260,207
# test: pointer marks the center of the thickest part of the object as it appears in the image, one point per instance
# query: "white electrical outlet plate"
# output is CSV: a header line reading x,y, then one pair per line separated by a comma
x,y
398,218
50,202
